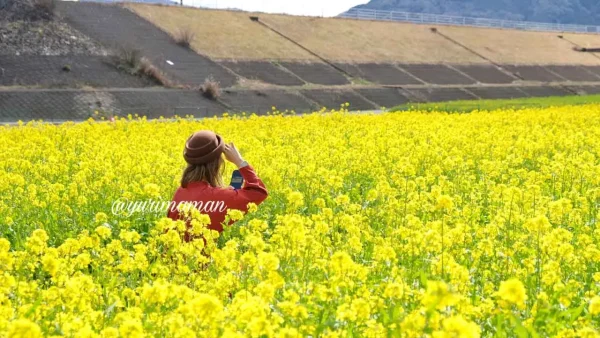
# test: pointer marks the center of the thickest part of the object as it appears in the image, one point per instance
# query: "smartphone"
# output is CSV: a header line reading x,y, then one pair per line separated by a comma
x,y
236,180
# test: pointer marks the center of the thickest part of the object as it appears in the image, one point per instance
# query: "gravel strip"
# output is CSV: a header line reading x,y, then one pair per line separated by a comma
x,y
45,38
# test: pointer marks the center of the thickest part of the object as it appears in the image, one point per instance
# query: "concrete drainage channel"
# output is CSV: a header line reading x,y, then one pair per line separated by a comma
x,y
98,119
76,104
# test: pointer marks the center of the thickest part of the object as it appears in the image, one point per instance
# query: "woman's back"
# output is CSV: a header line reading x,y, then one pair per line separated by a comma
x,y
201,183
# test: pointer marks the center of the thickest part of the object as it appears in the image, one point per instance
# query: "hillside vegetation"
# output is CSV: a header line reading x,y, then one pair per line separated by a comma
x,y
466,106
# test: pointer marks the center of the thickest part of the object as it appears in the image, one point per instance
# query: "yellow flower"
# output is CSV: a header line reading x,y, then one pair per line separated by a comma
x,y
289,332
131,236
265,290
252,207
361,308
513,292
347,243
101,217
103,231
457,326
268,261
152,190
234,214
295,199
50,264
4,245
156,293
319,203
372,195
38,241
444,202
394,290
23,328
594,307
206,306
110,332
438,295
588,332
342,200
131,328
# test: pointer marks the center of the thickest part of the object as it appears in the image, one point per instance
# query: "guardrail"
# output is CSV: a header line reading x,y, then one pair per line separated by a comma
x,y
372,14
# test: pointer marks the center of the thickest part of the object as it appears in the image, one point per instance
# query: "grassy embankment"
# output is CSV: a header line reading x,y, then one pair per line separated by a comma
x,y
520,103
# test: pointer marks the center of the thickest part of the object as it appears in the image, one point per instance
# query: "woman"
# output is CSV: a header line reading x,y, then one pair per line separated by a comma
x,y
202,184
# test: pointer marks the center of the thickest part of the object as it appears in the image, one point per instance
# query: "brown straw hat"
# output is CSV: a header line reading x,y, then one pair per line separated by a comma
x,y
202,147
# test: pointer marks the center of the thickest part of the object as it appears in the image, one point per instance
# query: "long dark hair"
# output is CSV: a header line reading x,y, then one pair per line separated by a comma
x,y
211,172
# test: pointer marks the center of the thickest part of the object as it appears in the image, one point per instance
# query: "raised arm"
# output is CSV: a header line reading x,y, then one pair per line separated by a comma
x,y
253,190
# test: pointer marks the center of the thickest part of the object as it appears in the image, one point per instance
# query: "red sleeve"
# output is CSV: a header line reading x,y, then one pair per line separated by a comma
x,y
253,191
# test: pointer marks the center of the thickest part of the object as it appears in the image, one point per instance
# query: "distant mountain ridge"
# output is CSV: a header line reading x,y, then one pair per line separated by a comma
x,y
582,12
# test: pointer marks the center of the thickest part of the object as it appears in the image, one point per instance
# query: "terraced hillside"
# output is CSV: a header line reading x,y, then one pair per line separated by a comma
x,y
345,40
396,54
261,60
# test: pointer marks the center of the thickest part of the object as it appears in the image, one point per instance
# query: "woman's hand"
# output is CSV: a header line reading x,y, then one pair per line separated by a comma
x,y
232,154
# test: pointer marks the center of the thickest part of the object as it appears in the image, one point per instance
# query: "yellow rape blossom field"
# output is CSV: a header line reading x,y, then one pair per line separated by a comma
x,y
392,225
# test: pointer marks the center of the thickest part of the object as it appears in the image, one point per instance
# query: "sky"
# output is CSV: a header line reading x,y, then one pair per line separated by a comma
x,y
295,7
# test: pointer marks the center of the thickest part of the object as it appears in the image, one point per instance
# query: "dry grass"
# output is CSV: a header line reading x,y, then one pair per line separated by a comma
x,y
185,37
519,47
131,60
222,34
146,68
370,41
233,36
128,59
211,89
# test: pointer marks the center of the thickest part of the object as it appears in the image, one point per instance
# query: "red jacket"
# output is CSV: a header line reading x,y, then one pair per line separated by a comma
x,y
253,191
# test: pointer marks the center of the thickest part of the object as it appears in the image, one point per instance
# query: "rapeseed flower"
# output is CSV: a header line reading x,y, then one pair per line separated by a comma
x,y
23,328
513,292
404,224
594,307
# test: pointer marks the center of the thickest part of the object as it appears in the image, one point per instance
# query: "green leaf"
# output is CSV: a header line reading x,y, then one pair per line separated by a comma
x,y
575,313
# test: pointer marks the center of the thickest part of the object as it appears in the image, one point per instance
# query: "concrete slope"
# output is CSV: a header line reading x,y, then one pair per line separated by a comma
x,y
65,71
116,27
